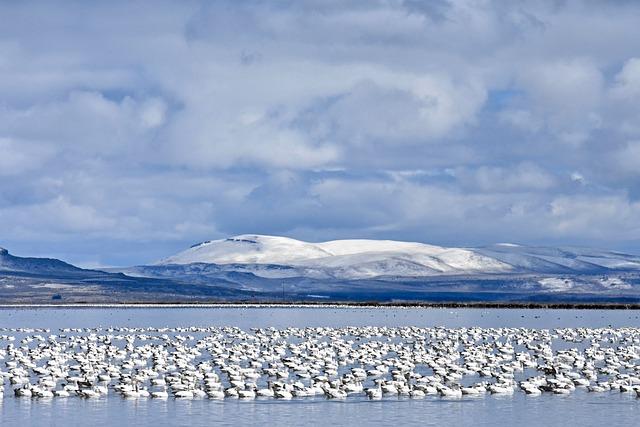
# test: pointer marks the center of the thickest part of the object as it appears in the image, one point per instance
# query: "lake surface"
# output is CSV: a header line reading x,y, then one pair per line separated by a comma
x,y
579,408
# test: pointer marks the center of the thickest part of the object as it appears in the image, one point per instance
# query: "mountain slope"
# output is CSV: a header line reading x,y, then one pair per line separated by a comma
x,y
358,259
10,263
43,280
254,268
248,249
560,260
341,258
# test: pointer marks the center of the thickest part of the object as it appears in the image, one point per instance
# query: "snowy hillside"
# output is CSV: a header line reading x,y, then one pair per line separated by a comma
x,y
263,268
349,259
554,260
249,249
357,259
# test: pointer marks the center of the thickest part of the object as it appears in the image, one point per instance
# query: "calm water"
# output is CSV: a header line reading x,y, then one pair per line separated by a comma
x,y
579,408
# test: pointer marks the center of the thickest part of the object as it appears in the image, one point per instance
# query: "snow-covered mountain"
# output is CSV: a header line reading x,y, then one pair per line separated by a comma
x,y
266,268
361,259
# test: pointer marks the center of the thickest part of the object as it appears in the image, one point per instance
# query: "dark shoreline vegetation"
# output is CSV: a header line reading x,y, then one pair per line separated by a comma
x,y
338,304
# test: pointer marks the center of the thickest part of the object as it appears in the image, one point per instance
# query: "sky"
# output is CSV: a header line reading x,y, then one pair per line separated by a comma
x,y
131,130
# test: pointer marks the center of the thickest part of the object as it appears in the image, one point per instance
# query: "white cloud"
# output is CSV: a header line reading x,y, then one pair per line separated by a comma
x,y
153,113
627,81
522,177
626,160
53,217
522,119
313,119
597,217
567,95
412,109
18,157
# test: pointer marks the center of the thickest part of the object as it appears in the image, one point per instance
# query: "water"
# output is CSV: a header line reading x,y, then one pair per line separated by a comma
x,y
579,408
281,317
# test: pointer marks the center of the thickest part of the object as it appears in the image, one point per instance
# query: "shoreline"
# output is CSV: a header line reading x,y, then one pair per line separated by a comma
x,y
462,305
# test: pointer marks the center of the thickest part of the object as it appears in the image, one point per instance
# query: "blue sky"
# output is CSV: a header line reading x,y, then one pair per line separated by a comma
x,y
129,130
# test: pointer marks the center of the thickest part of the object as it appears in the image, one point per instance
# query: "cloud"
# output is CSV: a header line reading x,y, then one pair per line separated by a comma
x,y
415,109
19,157
523,177
604,217
566,96
222,142
627,81
123,139
627,159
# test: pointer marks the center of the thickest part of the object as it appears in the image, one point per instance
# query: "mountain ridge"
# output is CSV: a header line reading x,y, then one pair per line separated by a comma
x,y
10,262
270,268
362,258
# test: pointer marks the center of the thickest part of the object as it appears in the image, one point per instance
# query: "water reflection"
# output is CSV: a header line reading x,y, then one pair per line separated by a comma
x,y
581,408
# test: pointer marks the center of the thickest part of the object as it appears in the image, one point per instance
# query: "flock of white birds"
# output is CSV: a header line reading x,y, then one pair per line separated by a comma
x,y
332,363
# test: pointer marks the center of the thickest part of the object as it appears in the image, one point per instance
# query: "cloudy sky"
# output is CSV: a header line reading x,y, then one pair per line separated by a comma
x,y
129,130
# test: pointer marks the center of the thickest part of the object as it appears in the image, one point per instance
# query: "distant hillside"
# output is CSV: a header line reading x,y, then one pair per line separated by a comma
x,y
360,259
254,268
10,263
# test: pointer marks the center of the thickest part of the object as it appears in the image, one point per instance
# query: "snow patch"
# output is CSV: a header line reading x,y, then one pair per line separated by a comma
x,y
53,286
556,284
614,283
